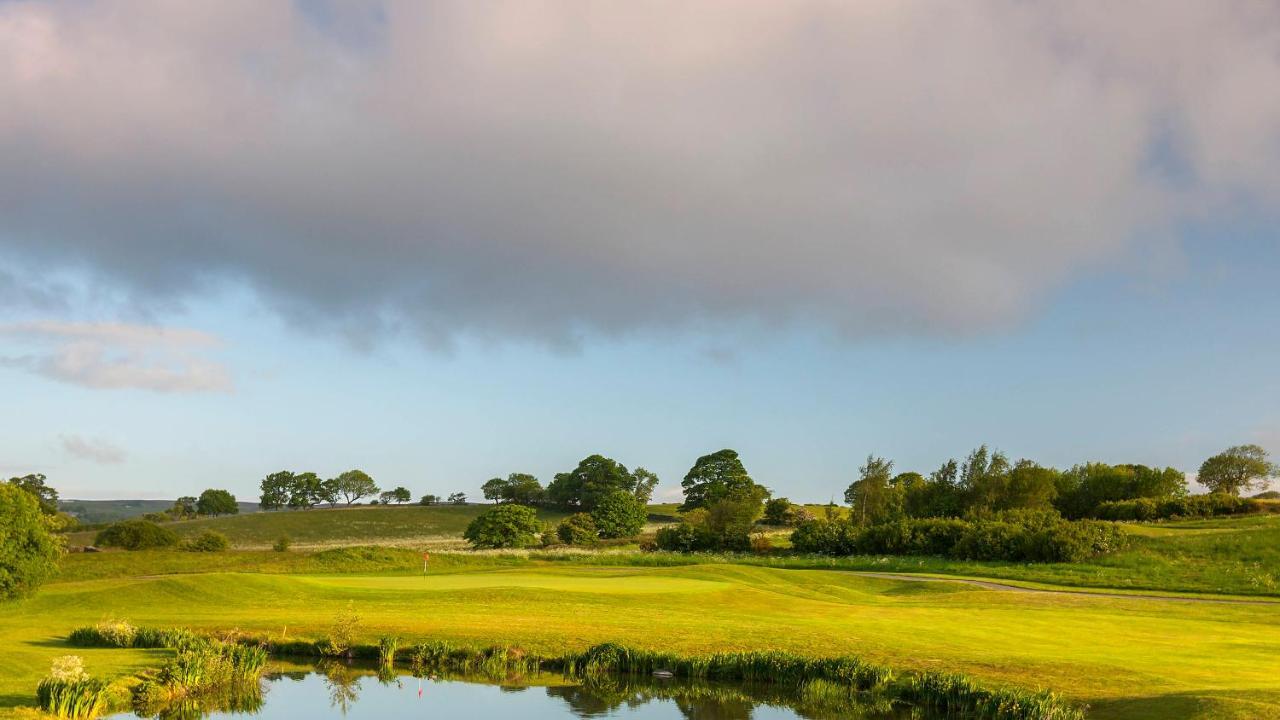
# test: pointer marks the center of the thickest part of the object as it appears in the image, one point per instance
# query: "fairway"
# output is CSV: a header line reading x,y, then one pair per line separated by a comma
x,y
1128,658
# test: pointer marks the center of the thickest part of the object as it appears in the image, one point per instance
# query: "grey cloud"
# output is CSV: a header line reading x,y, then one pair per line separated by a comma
x,y
93,450
550,171
114,356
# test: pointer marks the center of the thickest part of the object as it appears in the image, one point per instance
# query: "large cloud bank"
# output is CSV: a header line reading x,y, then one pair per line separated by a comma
x,y
551,170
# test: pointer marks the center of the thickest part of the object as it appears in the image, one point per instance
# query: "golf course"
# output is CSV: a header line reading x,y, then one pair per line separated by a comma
x,y
1151,651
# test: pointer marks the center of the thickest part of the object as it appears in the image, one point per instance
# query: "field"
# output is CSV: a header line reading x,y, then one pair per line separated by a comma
x,y
333,527
1127,657
100,511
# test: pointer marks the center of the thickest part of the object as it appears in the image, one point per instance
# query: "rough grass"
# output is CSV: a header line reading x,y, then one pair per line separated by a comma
x,y
1128,658
358,525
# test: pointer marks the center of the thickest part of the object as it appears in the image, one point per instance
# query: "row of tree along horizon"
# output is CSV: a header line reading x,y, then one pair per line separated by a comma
x,y
985,480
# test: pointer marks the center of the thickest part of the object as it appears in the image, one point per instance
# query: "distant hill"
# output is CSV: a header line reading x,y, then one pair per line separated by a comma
x,y
100,511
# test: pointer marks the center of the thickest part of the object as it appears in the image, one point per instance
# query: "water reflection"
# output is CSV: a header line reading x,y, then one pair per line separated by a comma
x,y
338,689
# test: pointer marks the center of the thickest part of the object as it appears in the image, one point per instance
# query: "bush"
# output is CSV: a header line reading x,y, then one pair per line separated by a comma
x,y
282,544
619,515
28,551
1191,506
504,526
136,535
1015,537
207,541
577,529
679,538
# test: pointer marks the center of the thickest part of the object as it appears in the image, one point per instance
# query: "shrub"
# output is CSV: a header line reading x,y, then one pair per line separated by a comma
x,y
577,529
1209,505
678,538
136,535
207,541
342,635
282,544
29,552
504,526
1016,537
106,633
619,515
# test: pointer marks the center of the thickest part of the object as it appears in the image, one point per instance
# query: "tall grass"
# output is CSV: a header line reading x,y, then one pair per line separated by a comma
x,y
955,694
83,698
387,647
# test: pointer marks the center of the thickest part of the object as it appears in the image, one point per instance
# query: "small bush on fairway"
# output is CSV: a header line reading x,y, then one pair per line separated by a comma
x,y
207,541
136,535
282,544
578,529
504,526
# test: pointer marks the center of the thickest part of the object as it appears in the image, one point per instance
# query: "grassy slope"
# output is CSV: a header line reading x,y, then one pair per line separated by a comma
x,y
99,511
339,526
1129,658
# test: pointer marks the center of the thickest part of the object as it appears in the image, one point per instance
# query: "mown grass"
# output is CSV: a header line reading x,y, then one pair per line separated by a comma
x,y
1127,658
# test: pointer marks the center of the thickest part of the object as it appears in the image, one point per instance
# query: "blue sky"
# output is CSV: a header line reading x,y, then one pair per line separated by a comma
x,y
446,241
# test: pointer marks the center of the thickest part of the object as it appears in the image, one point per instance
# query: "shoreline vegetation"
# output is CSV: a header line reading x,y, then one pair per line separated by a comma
x,y
204,664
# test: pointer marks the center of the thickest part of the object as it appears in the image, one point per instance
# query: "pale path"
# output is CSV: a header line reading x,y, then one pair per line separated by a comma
x,y
1091,593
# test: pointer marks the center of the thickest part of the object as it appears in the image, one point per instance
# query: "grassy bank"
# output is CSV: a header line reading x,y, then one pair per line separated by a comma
x,y
1127,658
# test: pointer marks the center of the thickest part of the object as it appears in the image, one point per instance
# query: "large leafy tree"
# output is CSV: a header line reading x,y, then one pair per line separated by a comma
x,y
305,491
35,485
595,477
1082,488
524,489
28,550
356,484
276,488
504,526
217,502
619,515
645,482
494,489
873,496
1239,468
716,477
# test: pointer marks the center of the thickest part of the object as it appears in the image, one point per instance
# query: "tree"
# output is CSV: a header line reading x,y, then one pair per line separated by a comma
x,y
578,529
523,488
429,500
595,477
1239,468
305,491
983,479
275,490
619,515
873,498
1083,488
34,484
458,498
328,491
356,484
778,512
495,489
504,526
28,550
729,521
715,477
217,502
645,482
401,495
183,508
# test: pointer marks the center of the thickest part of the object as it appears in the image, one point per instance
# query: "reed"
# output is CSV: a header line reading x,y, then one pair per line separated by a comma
x,y
956,694
81,698
387,647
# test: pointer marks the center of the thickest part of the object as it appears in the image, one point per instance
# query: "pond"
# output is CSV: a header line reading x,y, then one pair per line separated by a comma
x,y
355,692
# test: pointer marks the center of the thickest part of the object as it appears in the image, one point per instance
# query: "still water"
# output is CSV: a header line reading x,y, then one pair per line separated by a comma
x,y
344,691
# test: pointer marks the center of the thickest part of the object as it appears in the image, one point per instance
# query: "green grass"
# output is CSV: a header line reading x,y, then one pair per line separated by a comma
x,y
409,524
1128,658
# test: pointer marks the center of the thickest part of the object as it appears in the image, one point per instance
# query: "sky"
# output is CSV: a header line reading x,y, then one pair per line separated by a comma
x,y
444,241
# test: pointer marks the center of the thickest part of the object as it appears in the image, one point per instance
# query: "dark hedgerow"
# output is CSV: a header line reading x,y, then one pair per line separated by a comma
x,y
1028,539
1210,505
136,535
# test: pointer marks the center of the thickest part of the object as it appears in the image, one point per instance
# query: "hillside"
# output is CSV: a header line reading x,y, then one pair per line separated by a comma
x,y
102,511
359,525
